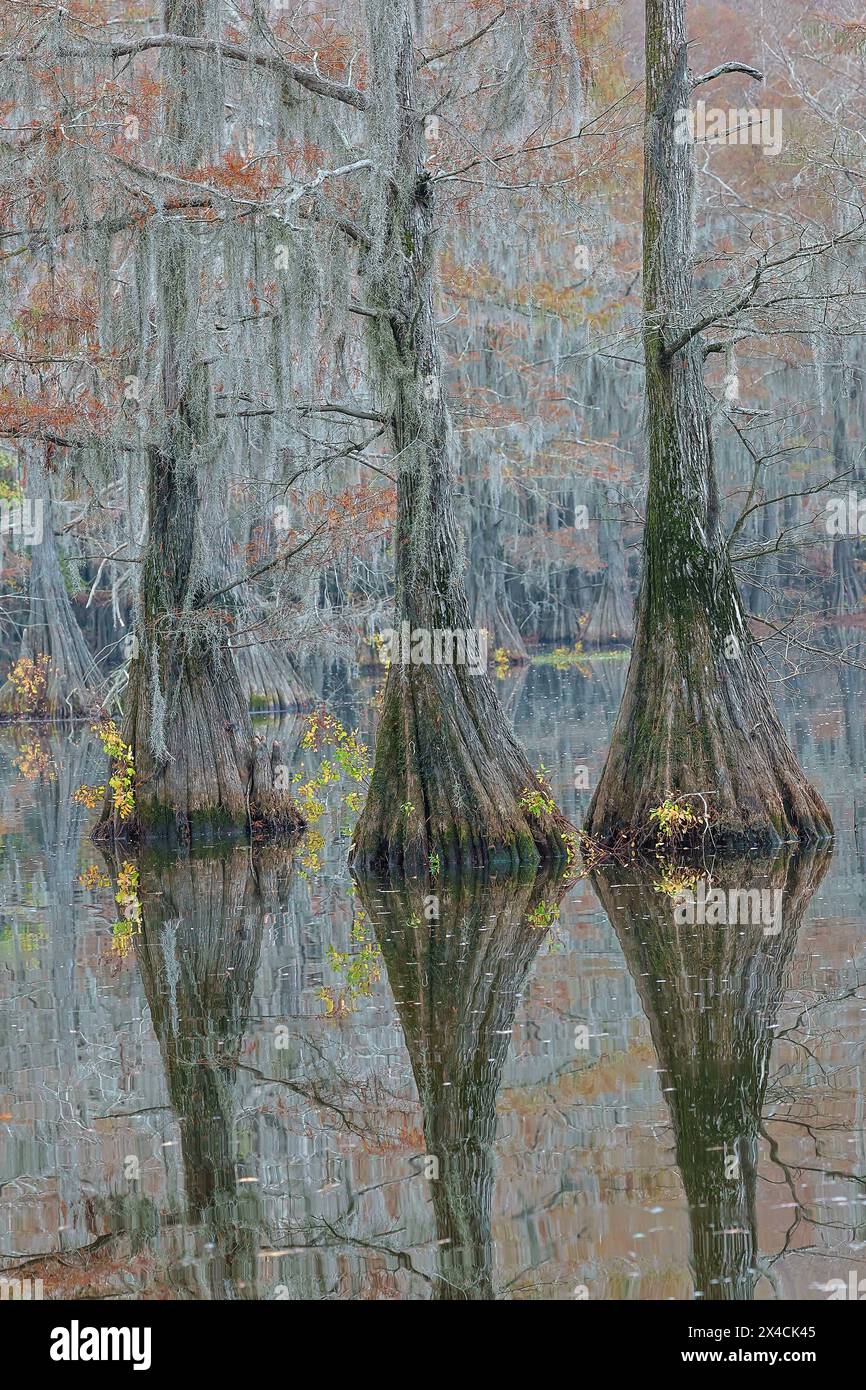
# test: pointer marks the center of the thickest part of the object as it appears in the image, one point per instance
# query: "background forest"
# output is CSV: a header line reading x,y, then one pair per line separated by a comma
x,y
208,202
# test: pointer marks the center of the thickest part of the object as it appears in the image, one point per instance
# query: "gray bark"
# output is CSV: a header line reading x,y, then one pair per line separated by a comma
x,y
443,749
696,717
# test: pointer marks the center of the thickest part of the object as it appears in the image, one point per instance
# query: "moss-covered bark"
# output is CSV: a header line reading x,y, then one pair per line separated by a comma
x,y
697,718
201,775
449,777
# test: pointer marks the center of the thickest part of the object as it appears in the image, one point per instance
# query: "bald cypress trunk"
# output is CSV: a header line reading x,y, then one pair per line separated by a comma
x,y
200,773
489,600
696,714
846,587
449,777
270,679
612,619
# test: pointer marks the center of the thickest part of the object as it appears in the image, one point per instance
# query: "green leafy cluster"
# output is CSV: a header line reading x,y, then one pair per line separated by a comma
x,y
538,800
544,914
359,970
122,779
350,759
673,820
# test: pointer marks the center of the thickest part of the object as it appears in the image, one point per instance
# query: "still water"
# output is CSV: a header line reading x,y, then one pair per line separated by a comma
x,y
278,1084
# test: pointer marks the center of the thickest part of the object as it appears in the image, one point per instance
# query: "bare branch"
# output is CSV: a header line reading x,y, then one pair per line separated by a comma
x,y
312,81
783,497
332,408
746,296
466,43
281,559
727,67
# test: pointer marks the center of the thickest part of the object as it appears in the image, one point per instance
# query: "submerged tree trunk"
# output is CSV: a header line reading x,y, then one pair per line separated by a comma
x,y
449,778
696,717
200,772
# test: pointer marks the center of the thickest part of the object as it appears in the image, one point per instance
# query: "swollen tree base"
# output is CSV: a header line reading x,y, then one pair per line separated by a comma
x,y
270,680
700,728
612,617
213,781
489,602
611,620
450,784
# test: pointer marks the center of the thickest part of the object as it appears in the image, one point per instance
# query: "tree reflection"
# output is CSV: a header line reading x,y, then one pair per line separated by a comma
x,y
711,995
457,954
198,951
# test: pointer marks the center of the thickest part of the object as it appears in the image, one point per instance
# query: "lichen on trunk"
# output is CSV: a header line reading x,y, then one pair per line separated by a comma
x,y
697,719
449,778
200,773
